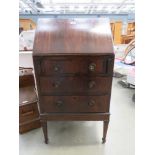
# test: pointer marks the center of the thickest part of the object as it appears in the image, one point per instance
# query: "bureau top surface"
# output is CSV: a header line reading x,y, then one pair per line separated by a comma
x,y
73,36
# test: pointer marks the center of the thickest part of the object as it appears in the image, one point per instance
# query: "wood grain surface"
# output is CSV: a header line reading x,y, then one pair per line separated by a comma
x,y
78,36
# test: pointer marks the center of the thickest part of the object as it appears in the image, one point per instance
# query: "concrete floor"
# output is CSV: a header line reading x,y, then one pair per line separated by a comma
x,y
84,138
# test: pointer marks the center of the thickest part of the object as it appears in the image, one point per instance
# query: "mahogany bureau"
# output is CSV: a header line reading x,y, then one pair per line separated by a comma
x,y
73,62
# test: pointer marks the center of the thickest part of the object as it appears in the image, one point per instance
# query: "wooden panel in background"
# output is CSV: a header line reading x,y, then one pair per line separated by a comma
x,y
116,29
130,33
118,32
131,28
27,24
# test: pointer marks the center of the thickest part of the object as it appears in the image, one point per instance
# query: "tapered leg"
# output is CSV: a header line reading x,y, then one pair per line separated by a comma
x,y
44,127
105,128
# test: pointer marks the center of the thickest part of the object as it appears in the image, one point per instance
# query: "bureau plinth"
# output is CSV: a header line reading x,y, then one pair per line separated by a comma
x,y
73,62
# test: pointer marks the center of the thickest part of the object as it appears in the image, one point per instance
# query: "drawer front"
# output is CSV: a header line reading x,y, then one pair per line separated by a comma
x,y
76,65
28,112
29,126
75,103
49,85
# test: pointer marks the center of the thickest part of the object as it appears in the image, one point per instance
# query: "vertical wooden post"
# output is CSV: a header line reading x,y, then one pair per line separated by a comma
x,y
44,128
105,128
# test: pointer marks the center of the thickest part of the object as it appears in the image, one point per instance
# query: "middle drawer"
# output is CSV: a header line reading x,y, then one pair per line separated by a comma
x,y
75,85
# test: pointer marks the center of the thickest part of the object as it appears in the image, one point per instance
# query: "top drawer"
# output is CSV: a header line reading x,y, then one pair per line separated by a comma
x,y
54,65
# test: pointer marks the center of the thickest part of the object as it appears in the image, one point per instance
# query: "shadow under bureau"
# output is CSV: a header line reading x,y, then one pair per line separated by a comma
x,y
73,62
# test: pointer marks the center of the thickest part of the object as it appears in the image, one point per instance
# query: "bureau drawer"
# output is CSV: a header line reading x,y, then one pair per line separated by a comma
x,y
28,126
75,103
81,84
28,112
75,65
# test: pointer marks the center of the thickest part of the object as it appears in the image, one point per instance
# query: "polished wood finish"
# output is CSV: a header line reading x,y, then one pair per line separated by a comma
x,y
68,85
79,36
28,108
74,103
73,62
75,116
68,65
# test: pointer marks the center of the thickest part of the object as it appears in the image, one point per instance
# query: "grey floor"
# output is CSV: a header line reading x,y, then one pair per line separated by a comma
x,y
84,138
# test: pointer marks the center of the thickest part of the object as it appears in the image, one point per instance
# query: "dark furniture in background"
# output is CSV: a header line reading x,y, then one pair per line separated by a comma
x,y
73,62
20,29
28,108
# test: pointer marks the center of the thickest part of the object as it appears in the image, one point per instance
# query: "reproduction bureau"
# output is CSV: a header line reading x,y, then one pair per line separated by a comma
x,y
73,62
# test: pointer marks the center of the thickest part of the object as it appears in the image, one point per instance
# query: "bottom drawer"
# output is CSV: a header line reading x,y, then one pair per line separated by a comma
x,y
28,112
29,126
75,103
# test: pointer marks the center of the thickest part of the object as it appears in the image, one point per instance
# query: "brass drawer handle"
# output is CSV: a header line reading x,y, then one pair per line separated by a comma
x,y
59,103
91,103
91,84
92,67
